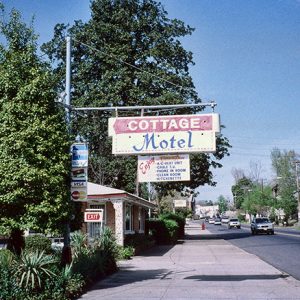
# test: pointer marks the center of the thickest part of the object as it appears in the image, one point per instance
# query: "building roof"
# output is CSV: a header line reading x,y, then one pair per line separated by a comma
x,y
97,191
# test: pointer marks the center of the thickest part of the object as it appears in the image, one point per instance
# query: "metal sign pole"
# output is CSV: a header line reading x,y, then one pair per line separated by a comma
x,y
66,253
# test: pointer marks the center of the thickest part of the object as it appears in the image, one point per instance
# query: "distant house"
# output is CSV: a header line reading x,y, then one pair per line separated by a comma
x,y
206,210
123,212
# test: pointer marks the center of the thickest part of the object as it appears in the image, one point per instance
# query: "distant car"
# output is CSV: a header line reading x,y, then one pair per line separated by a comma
x,y
225,219
211,221
234,222
262,225
206,218
218,221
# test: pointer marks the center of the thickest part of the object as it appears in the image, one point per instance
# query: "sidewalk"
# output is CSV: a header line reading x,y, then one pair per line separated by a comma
x,y
198,268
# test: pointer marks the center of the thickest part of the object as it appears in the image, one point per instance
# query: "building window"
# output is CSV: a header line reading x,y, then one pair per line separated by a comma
x,y
95,228
128,217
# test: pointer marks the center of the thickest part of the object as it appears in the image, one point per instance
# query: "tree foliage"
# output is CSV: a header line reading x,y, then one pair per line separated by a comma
x,y
129,53
223,204
283,163
240,190
34,142
258,201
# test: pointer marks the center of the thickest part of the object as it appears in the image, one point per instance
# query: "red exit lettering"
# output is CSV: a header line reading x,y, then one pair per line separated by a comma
x,y
93,217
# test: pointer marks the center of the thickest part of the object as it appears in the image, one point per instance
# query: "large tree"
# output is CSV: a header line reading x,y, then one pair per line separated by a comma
x,y
129,53
283,163
258,201
34,141
240,191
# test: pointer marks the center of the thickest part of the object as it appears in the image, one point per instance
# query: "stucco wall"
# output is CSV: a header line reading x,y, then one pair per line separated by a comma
x,y
110,216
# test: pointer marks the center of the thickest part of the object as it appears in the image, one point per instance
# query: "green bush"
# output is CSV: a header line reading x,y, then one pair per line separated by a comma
x,y
172,228
79,243
38,242
9,288
33,268
38,276
126,252
97,260
163,231
7,258
90,266
66,285
138,241
180,220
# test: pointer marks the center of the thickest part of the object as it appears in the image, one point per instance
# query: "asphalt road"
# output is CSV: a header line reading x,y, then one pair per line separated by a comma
x,y
281,250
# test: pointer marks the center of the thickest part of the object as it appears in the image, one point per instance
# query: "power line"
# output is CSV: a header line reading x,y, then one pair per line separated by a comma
x,y
129,64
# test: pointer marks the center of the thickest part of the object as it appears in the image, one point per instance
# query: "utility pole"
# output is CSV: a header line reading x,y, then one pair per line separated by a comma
x,y
66,253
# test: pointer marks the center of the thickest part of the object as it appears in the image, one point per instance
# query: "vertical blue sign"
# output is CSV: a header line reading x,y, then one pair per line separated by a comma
x,y
79,155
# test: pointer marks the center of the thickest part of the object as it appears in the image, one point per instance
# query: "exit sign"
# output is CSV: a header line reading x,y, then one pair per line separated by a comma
x,y
93,216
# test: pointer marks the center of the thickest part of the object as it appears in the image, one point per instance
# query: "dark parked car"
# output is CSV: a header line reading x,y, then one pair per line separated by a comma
x,y
262,225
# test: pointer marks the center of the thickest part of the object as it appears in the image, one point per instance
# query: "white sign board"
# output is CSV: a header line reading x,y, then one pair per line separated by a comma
x,y
164,168
164,134
179,203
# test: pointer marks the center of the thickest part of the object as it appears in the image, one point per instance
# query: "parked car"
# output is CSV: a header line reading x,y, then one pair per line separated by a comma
x,y
211,221
218,221
234,222
262,225
57,243
225,219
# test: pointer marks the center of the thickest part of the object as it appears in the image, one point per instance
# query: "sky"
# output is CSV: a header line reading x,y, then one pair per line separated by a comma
x,y
247,59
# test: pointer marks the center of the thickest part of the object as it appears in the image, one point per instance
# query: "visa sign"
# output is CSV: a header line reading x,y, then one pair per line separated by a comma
x,y
164,134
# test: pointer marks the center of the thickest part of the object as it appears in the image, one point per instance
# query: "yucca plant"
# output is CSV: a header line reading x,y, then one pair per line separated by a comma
x,y
79,244
33,267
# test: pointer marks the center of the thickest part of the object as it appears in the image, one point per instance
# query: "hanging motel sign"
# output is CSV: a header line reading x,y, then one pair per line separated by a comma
x,y
164,134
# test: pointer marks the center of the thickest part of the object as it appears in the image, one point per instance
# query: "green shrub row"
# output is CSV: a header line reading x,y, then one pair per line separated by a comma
x,y
37,273
167,228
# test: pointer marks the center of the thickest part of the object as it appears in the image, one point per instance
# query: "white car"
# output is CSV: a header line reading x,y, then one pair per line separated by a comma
x,y
225,220
218,221
234,222
262,225
211,221
57,243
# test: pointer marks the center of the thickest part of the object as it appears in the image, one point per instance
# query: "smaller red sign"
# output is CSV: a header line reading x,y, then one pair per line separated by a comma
x,y
75,195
